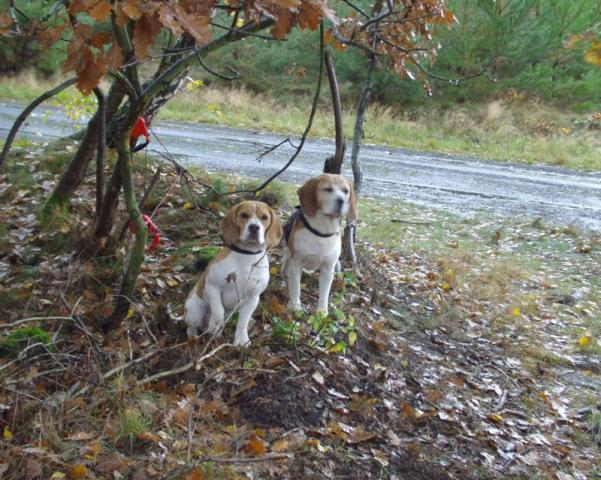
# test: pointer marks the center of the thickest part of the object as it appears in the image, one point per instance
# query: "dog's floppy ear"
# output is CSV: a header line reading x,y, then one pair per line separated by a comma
x,y
274,232
229,227
307,195
351,216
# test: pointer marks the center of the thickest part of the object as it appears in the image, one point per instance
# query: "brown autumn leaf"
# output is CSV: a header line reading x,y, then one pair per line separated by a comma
x,y
363,405
149,437
310,16
114,57
275,307
101,11
284,23
113,462
196,22
49,36
132,9
33,469
145,30
194,474
256,445
5,24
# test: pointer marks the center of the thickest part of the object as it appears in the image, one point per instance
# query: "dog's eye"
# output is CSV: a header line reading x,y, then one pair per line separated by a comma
x,y
328,189
264,217
345,190
244,216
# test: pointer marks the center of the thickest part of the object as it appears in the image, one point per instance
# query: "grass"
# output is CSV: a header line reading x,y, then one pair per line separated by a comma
x,y
514,128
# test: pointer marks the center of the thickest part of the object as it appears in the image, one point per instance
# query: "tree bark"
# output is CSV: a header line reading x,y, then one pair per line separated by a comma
x,y
334,164
358,132
76,170
136,255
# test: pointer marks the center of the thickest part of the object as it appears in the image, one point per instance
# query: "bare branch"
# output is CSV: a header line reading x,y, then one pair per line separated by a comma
x,y
307,128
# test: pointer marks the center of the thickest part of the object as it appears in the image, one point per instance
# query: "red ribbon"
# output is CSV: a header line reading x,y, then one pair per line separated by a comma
x,y
152,230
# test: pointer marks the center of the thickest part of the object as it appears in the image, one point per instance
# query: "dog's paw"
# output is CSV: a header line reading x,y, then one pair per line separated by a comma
x,y
294,307
241,341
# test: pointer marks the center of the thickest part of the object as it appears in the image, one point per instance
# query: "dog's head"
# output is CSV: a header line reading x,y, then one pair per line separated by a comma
x,y
329,194
251,224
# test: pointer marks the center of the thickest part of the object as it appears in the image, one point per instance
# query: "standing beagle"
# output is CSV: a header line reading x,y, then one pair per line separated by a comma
x,y
236,277
313,234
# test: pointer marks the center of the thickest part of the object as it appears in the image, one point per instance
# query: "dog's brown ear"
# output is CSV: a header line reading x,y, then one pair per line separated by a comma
x,y
351,216
274,232
307,195
229,227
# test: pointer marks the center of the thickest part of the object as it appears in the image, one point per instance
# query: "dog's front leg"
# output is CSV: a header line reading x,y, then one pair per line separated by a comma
x,y
294,270
245,311
213,296
326,275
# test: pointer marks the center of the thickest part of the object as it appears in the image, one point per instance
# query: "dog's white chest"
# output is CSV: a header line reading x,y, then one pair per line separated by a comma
x,y
314,251
240,276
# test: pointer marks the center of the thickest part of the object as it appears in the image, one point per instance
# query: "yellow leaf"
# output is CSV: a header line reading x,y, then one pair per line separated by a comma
x,y
171,282
7,434
516,312
239,23
57,476
77,472
352,337
495,417
584,341
130,313
188,206
593,54
446,287
274,270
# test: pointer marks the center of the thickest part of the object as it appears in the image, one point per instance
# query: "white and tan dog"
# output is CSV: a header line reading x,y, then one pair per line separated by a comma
x,y
313,234
235,279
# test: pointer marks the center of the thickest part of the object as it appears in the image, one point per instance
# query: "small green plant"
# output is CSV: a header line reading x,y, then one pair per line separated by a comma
x,y
132,423
595,426
333,332
286,331
19,340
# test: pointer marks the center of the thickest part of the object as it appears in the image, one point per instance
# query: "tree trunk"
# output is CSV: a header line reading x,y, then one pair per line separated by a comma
x,y
136,255
358,132
334,164
76,170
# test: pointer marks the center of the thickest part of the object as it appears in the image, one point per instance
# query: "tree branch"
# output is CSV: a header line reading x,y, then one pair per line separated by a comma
x,y
307,128
25,113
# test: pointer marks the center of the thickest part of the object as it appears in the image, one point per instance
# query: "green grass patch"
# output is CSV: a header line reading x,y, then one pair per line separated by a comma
x,y
519,130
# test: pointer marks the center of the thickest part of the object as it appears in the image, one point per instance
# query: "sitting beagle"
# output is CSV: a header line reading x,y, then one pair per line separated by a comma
x,y
312,234
236,277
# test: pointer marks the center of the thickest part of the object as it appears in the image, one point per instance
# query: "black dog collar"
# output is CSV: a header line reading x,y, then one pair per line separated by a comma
x,y
241,250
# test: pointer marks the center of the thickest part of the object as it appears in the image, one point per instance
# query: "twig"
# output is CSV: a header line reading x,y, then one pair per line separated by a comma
x,y
263,458
183,368
32,319
25,113
307,128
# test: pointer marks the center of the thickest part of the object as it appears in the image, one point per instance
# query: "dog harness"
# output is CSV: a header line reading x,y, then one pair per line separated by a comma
x,y
298,214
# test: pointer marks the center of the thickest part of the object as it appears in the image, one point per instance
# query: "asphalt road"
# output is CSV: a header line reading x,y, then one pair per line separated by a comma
x,y
462,185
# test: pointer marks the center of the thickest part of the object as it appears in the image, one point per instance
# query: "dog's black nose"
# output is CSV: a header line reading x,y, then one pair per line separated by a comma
x,y
340,202
253,228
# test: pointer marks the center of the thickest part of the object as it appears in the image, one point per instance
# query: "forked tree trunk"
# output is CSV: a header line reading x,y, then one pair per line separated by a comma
x,y
75,172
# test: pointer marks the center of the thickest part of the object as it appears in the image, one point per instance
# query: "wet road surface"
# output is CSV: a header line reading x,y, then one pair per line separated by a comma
x,y
461,185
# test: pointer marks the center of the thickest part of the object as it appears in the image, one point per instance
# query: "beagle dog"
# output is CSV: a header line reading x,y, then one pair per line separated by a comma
x,y
236,277
312,234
